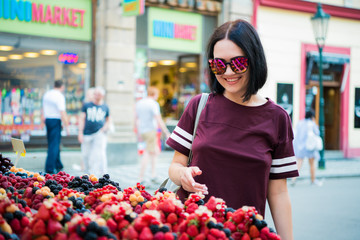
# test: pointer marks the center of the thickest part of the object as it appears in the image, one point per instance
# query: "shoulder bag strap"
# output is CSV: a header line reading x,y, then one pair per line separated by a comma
x,y
201,106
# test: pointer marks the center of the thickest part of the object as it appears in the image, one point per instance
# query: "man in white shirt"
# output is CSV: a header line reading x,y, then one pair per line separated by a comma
x,y
148,120
54,111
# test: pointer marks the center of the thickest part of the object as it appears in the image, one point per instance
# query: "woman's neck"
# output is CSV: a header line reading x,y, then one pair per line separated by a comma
x,y
255,100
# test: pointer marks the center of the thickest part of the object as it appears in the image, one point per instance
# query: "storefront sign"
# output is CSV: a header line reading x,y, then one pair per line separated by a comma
x,y
57,18
174,30
133,7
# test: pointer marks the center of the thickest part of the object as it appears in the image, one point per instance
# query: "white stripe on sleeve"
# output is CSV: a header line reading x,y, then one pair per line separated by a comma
x,y
284,169
183,133
282,161
181,141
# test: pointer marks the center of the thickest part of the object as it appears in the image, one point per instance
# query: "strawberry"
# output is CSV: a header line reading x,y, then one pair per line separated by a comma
x,y
39,227
211,237
169,236
192,230
146,234
172,218
184,236
201,236
74,236
25,221
246,237
111,224
61,236
166,206
130,233
230,225
254,232
139,225
217,233
53,226
122,224
15,225
236,236
43,213
238,216
43,237
192,208
211,203
159,236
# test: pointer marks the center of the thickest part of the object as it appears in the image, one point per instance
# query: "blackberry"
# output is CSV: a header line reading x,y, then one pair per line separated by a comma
x,y
128,218
8,216
165,229
87,192
260,224
77,178
175,236
66,219
219,226
72,198
70,211
211,224
200,202
5,234
154,228
34,190
21,191
11,189
106,176
90,236
56,192
79,232
227,232
98,185
162,189
102,231
229,209
110,236
271,230
92,227
19,215
23,203
47,197
78,204
85,177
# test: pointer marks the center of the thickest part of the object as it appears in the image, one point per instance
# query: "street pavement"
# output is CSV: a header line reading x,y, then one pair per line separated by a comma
x,y
127,174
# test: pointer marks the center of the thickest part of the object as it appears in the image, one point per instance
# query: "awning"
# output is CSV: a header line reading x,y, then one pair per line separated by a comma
x,y
333,58
328,58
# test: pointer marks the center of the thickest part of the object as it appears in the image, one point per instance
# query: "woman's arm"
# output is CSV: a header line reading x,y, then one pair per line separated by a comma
x,y
280,206
183,176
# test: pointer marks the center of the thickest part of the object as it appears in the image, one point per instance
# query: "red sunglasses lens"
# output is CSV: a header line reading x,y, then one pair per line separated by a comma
x,y
217,66
238,65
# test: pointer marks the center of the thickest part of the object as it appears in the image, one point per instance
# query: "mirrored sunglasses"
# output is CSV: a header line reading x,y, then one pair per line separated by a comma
x,y
237,64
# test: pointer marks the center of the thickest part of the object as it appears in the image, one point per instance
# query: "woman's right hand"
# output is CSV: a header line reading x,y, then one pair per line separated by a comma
x,y
188,183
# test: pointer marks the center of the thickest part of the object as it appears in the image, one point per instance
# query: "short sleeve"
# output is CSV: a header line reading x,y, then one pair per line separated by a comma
x,y
156,109
61,103
107,112
283,157
182,136
83,108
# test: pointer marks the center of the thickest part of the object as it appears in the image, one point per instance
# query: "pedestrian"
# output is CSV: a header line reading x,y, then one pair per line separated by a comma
x,y
301,151
148,120
242,150
93,125
54,111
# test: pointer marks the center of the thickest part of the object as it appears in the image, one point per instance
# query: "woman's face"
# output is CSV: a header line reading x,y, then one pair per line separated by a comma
x,y
234,83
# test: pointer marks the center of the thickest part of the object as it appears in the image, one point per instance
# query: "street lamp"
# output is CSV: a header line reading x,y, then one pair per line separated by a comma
x,y
320,23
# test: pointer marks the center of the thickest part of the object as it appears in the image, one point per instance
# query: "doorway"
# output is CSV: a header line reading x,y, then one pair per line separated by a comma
x,y
331,111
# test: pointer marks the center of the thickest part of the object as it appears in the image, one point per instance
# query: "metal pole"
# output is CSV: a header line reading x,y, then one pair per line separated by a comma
x,y
321,113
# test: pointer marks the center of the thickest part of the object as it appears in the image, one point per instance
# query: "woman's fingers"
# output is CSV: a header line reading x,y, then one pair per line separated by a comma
x,y
188,182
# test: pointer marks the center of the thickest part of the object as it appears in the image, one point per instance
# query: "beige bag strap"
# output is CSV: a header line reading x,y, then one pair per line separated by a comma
x,y
202,103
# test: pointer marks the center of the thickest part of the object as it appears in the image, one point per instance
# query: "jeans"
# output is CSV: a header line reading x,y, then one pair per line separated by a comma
x,y
53,132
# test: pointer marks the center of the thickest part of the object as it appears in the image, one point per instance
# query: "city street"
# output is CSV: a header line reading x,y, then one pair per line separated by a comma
x,y
328,212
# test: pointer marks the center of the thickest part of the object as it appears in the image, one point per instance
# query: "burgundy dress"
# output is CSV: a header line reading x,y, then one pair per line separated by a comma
x,y
238,149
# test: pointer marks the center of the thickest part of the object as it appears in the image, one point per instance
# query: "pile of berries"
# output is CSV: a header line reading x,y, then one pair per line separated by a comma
x,y
61,207
5,164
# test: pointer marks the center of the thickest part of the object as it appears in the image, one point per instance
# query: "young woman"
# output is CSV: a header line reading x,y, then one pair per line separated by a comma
x,y
242,151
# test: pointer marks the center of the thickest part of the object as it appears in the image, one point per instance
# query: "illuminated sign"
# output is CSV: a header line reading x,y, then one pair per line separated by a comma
x,y
68,58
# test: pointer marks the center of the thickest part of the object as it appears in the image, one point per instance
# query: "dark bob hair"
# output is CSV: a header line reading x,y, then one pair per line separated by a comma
x,y
309,114
244,35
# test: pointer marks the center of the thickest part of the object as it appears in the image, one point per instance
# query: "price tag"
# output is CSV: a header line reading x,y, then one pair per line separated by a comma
x,y
19,148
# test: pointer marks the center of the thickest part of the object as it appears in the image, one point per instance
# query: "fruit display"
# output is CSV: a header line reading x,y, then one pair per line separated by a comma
x,y
59,206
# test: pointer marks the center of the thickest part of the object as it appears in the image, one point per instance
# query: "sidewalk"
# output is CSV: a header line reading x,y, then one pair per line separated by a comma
x,y
127,174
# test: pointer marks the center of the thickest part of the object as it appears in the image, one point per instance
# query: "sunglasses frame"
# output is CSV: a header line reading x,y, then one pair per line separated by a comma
x,y
233,68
